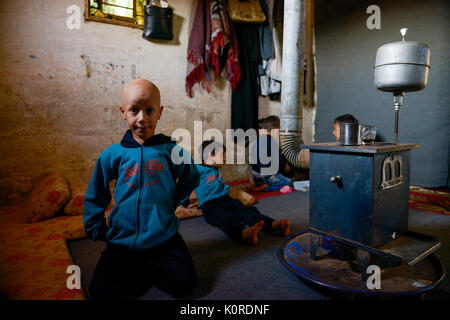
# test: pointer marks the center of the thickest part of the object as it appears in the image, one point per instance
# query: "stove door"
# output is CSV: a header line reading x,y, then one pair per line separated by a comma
x,y
341,194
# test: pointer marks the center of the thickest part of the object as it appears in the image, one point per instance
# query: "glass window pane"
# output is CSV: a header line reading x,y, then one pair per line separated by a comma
x,y
120,10
140,12
120,3
123,12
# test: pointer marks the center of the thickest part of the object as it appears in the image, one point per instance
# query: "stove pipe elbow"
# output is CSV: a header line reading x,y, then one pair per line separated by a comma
x,y
290,148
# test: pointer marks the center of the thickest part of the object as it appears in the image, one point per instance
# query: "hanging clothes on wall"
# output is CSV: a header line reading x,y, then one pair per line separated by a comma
x,y
271,79
271,67
244,99
196,51
223,47
212,47
265,29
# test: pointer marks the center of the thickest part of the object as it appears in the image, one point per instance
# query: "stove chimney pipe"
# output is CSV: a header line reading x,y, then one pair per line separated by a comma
x,y
291,106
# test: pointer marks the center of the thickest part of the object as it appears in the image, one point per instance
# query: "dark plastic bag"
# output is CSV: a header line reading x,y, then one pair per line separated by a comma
x,y
158,23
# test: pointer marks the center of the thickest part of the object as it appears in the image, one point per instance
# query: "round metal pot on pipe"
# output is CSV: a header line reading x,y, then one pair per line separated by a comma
x,y
402,66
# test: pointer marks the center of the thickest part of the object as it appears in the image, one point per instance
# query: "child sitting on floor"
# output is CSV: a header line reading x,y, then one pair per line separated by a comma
x,y
278,179
224,212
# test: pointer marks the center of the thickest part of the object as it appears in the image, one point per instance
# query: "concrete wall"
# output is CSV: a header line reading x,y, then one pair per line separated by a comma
x,y
60,90
345,51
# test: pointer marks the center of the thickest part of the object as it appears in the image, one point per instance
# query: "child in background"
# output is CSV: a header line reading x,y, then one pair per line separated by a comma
x,y
276,181
341,119
143,247
224,212
261,123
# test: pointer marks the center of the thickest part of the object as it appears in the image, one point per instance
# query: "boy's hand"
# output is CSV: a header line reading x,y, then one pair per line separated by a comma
x,y
193,197
193,204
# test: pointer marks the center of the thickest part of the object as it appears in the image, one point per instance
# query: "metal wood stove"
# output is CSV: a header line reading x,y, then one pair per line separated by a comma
x,y
359,197
360,193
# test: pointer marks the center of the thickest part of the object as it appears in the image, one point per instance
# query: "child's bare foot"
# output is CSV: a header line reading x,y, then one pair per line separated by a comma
x,y
284,226
183,213
250,235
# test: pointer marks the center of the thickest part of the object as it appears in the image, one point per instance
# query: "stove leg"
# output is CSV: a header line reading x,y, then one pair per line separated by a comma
x,y
363,258
315,240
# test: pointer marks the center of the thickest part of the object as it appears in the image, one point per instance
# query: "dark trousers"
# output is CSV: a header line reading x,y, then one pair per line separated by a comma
x,y
231,216
125,274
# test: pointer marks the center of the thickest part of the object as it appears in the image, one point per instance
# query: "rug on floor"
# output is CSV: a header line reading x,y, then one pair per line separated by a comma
x,y
431,200
247,186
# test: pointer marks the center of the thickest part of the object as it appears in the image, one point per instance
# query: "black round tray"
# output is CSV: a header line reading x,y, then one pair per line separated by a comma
x,y
330,272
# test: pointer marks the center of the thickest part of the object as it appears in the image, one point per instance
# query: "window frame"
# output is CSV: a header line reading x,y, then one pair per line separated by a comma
x,y
89,17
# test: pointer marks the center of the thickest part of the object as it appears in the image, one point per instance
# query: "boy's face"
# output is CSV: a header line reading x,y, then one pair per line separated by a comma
x,y
337,131
141,109
269,132
217,160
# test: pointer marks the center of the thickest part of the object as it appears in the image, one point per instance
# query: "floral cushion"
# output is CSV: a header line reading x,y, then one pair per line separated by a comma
x,y
34,258
75,206
47,198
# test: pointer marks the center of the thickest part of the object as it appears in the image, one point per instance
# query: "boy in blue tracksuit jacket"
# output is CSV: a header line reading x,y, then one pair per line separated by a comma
x,y
144,247
224,212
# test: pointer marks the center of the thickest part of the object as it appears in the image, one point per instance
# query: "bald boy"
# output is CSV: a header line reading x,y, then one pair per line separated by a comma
x,y
141,108
143,246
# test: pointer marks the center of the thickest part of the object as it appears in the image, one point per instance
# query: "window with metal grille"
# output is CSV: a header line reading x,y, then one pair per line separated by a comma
x,y
128,13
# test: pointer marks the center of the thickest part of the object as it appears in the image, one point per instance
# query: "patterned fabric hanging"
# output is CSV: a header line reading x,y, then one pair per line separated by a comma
x,y
212,47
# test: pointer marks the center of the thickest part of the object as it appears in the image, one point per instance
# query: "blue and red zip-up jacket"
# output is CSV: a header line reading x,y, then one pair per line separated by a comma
x,y
211,185
149,186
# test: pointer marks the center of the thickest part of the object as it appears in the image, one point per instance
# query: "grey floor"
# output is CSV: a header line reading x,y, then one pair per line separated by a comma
x,y
229,271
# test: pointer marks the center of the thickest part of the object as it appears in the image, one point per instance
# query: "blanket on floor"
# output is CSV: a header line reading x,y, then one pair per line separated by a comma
x,y
247,186
431,200
424,199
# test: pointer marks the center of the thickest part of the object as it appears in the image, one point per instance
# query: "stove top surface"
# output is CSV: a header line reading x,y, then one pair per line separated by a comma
x,y
375,147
